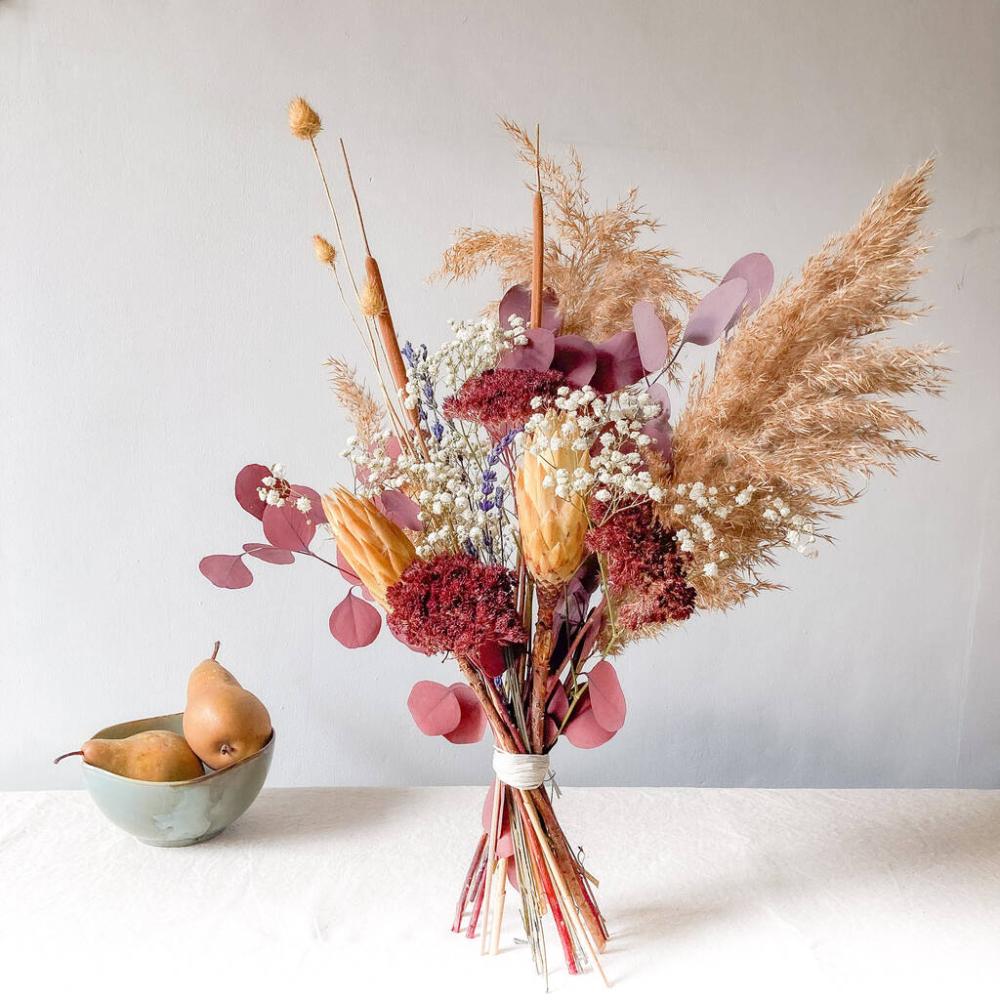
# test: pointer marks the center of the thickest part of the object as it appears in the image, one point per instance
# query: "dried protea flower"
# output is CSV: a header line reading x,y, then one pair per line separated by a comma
x,y
376,549
552,521
371,300
325,251
302,120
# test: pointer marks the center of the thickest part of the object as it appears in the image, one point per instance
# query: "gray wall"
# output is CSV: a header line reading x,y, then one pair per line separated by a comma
x,y
163,322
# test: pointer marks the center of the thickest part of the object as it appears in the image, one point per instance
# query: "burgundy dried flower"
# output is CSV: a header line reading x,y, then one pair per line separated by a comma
x,y
643,565
453,604
500,398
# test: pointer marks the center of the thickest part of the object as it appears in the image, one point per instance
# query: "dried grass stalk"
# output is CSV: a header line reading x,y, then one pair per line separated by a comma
x,y
366,414
592,258
803,397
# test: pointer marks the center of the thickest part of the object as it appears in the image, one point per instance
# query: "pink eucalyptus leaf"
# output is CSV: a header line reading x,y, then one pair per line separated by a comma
x,y
535,355
592,631
576,358
347,572
709,319
651,336
618,363
316,514
491,659
393,448
248,481
268,553
288,528
355,623
228,572
472,725
434,707
584,731
512,877
606,696
758,272
505,843
517,302
551,730
400,509
659,428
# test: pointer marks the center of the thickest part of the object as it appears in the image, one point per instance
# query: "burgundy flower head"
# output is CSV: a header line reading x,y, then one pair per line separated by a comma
x,y
500,398
644,565
453,604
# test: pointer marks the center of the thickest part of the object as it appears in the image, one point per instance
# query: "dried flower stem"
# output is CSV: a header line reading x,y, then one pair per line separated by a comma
x,y
538,239
467,884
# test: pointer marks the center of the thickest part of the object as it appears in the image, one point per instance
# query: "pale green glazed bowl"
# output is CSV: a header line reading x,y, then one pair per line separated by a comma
x,y
176,813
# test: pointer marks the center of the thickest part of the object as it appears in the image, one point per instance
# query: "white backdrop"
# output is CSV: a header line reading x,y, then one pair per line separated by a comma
x,y
163,322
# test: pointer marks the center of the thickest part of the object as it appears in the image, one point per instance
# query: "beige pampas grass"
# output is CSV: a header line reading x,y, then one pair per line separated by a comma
x,y
592,258
302,120
325,251
803,397
552,529
365,413
376,549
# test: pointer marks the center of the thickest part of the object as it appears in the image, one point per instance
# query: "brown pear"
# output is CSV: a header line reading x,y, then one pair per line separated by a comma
x,y
223,722
153,755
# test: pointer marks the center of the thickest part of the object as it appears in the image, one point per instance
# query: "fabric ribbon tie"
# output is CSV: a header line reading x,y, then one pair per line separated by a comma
x,y
521,770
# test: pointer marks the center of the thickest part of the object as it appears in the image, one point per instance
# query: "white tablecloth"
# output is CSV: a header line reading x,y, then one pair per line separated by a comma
x,y
328,892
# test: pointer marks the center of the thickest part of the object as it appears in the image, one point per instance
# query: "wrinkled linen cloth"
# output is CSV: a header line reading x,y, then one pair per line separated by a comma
x,y
331,892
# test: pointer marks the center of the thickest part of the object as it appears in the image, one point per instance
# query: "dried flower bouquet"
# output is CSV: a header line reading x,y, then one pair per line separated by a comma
x,y
523,504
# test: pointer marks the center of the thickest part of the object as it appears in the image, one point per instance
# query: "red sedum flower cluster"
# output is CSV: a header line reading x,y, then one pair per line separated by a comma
x,y
454,604
500,398
643,565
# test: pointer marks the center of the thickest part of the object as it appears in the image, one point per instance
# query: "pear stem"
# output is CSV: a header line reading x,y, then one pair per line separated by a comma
x,y
215,650
72,753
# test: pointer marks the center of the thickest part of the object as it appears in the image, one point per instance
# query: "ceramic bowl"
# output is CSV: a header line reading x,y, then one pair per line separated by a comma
x,y
176,813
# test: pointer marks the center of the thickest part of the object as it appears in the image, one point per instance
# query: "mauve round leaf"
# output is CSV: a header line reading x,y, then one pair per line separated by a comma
x,y
618,363
517,302
535,355
435,708
576,358
393,448
651,336
659,428
592,631
758,272
248,480
505,843
355,623
347,572
551,731
491,659
709,318
400,509
228,572
584,731
472,725
268,553
316,513
606,696
288,528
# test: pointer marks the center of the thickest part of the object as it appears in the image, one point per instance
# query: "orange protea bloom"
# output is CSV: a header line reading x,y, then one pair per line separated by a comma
x,y
552,528
377,550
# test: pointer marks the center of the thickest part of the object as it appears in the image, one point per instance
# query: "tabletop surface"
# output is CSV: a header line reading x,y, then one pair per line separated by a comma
x,y
804,893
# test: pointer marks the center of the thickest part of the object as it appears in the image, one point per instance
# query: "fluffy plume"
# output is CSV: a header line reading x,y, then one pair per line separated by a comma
x,y
324,250
801,401
302,120
366,414
371,301
592,258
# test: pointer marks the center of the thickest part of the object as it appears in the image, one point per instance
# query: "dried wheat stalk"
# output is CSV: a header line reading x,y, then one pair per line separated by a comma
x,y
366,414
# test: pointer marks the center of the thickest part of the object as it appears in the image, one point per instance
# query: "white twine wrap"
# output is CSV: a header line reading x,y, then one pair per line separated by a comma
x,y
521,770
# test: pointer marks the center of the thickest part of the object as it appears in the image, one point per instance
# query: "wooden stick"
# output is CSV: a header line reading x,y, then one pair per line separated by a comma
x,y
538,240
490,860
499,896
470,874
569,908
